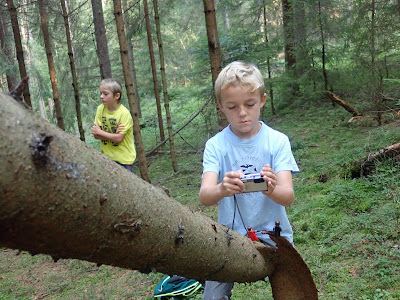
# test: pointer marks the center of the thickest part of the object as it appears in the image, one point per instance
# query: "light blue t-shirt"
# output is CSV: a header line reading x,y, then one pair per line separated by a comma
x,y
226,152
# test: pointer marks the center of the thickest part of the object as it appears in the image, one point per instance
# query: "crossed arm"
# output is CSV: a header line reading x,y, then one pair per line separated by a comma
x,y
100,134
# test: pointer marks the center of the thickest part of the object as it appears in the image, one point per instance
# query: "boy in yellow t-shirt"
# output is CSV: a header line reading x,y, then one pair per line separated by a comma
x,y
113,125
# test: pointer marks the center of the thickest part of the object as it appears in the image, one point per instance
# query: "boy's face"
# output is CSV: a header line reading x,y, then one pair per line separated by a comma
x,y
242,109
107,97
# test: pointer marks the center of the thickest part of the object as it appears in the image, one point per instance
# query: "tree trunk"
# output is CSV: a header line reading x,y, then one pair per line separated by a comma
x,y
18,48
64,6
153,70
129,28
300,37
101,39
130,91
214,52
6,48
323,53
50,62
165,91
268,48
119,220
288,34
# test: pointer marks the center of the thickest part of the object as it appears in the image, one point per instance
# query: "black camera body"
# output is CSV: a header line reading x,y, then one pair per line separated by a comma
x,y
254,183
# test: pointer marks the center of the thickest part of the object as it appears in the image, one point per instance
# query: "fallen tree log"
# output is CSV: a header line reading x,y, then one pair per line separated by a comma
x,y
62,198
367,164
345,105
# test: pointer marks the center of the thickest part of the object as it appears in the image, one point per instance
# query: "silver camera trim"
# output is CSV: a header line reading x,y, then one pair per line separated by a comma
x,y
254,183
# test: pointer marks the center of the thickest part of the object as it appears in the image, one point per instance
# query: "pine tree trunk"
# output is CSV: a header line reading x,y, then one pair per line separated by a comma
x,y
214,52
300,37
50,62
165,91
129,28
101,39
6,48
323,52
19,49
64,6
153,70
288,34
63,198
268,48
130,91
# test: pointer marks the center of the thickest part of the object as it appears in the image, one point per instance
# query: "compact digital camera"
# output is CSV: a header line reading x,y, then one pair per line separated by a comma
x,y
254,183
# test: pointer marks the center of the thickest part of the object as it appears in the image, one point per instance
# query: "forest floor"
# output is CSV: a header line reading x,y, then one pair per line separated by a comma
x,y
346,229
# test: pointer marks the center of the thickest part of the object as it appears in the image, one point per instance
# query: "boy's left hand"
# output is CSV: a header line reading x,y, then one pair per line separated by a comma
x,y
120,128
269,177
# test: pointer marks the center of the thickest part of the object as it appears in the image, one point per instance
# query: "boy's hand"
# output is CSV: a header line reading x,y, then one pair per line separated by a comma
x,y
96,130
269,177
231,184
120,128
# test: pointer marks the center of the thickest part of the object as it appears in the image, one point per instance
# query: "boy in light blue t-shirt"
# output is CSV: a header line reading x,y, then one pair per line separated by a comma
x,y
246,146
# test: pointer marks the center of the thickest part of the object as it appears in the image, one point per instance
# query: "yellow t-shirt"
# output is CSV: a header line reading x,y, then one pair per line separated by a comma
x,y
124,152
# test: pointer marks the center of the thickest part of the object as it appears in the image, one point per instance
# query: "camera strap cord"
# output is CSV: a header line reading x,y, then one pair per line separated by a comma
x,y
251,233
236,207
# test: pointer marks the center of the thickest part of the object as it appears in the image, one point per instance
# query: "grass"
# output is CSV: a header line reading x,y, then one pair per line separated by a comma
x,y
346,229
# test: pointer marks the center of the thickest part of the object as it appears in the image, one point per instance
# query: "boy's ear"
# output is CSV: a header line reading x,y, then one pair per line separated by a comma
x,y
263,100
220,106
118,96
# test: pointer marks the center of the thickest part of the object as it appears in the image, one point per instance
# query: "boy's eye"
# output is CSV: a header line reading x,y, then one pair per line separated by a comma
x,y
231,107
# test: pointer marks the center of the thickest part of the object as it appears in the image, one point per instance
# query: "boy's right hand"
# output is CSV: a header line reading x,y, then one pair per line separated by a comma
x,y
231,184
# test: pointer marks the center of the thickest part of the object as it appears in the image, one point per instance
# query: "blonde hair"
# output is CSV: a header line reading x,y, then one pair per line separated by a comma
x,y
113,85
239,73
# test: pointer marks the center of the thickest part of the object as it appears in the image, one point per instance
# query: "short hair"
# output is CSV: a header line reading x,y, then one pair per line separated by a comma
x,y
113,85
239,73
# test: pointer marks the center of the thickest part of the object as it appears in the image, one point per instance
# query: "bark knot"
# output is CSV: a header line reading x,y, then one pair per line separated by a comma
x,y
40,149
179,236
130,226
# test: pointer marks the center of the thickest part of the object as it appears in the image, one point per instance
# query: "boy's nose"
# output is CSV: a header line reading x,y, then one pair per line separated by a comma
x,y
242,111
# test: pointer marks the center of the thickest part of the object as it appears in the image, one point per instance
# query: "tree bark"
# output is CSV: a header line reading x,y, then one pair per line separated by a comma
x,y
129,32
64,6
165,90
130,91
19,49
323,51
300,37
268,48
214,52
288,34
50,63
6,48
92,209
101,39
153,70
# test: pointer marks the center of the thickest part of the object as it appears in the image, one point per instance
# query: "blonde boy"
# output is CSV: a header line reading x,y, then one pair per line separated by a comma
x,y
113,125
246,146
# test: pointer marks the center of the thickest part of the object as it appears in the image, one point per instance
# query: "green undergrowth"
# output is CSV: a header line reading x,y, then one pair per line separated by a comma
x,y
346,229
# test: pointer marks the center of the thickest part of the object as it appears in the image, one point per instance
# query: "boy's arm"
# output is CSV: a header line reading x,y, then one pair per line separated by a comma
x,y
100,134
280,186
211,191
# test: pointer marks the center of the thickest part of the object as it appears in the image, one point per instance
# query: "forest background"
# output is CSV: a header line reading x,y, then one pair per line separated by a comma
x,y
331,70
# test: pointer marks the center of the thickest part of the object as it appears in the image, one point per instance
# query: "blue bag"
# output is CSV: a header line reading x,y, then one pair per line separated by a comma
x,y
176,287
